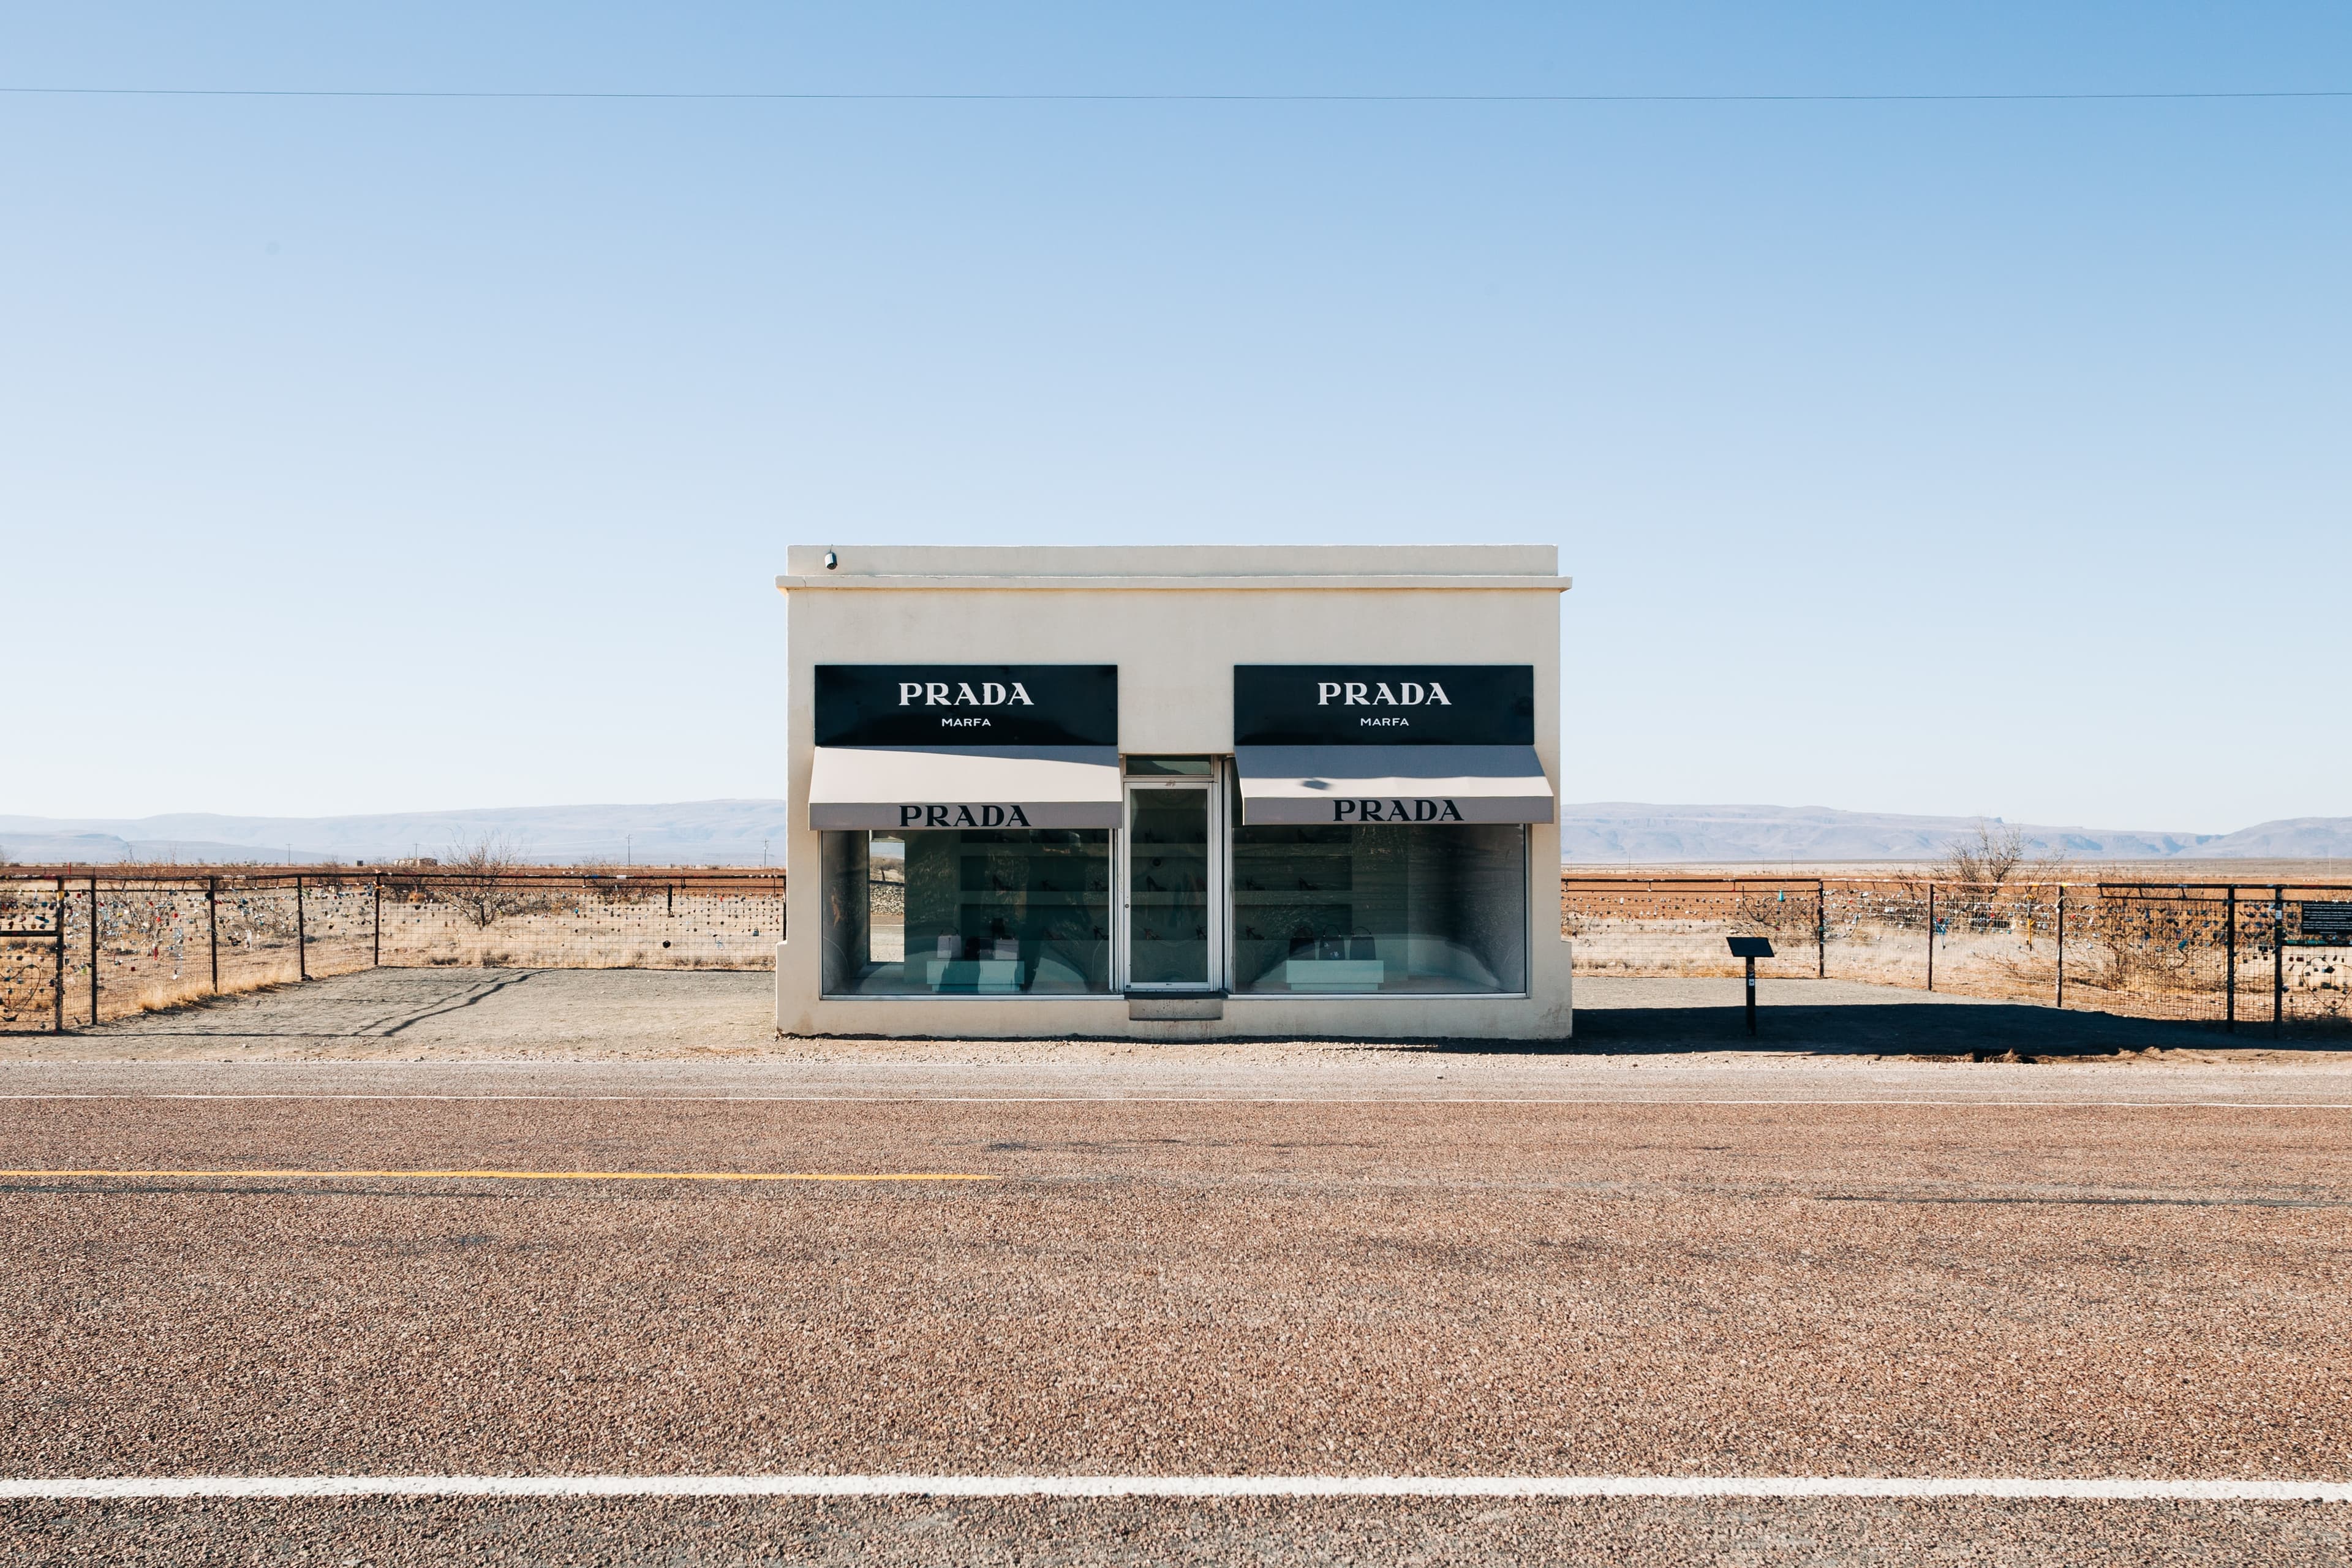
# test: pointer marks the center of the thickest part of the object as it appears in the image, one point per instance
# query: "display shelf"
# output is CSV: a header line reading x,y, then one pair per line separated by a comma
x,y
1334,975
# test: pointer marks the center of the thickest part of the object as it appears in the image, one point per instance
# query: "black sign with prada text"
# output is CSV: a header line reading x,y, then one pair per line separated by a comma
x,y
967,705
1384,705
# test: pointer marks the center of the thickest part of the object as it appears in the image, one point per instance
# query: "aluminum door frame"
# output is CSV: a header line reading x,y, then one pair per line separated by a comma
x,y
1219,954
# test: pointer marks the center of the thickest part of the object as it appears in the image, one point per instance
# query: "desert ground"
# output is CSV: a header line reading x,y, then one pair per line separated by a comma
x,y
512,1224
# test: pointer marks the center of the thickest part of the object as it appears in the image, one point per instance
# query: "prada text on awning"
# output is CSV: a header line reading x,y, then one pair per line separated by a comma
x,y
1411,784
911,788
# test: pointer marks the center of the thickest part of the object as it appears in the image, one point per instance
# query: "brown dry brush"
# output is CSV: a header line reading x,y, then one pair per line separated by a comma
x,y
481,880
1988,860
1989,881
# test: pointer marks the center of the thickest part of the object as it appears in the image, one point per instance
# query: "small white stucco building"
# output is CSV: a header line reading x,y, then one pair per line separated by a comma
x,y
1174,793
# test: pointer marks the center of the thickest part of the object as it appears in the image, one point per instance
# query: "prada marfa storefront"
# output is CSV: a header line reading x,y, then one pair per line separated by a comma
x,y
1174,793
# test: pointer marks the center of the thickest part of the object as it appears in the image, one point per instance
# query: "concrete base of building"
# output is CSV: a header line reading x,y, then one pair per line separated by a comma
x,y
1177,1019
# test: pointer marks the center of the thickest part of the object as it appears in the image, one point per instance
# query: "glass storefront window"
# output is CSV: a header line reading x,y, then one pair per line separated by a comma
x,y
1372,907
970,912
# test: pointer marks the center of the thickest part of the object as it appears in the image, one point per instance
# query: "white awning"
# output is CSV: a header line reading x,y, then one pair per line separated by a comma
x,y
1423,785
908,788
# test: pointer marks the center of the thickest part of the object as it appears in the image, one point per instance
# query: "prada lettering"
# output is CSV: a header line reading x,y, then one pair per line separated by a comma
x,y
935,694
962,816
1376,694
1421,810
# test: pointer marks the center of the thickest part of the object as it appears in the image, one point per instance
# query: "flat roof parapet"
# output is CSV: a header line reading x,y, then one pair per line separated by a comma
x,y
1174,566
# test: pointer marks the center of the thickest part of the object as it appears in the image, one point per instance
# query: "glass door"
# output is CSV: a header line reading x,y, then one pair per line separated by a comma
x,y
1174,883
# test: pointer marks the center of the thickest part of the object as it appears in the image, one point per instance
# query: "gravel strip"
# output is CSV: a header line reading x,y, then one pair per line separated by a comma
x,y
438,1014
1047,1535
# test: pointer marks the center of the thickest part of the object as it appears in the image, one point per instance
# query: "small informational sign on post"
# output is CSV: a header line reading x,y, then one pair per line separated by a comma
x,y
1751,947
2322,923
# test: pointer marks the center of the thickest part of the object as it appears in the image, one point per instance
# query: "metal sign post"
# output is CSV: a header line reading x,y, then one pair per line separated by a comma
x,y
1751,947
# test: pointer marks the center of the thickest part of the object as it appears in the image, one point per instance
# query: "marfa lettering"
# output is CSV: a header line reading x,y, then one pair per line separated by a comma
x,y
1394,811
936,694
962,816
1376,694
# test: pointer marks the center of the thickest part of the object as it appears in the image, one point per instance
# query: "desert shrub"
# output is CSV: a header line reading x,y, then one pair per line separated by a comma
x,y
481,881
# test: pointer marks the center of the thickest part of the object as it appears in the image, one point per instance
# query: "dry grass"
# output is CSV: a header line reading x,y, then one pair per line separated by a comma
x,y
2164,953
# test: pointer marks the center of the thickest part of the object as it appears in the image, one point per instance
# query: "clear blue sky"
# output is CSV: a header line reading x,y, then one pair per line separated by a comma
x,y
1979,458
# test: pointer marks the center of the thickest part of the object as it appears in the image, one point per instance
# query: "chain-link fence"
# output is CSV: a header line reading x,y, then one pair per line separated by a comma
x,y
2239,954
80,947
32,954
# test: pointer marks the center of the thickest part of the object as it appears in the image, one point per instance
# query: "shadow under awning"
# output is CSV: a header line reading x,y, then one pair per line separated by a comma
x,y
909,788
1410,785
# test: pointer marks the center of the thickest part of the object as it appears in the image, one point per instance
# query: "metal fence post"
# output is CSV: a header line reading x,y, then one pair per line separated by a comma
x,y
2062,946
1931,936
2230,946
375,941
301,938
1820,929
57,999
94,953
2278,958
212,926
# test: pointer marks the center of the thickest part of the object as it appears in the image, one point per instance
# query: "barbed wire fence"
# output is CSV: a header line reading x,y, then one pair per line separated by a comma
x,y
2269,955
80,946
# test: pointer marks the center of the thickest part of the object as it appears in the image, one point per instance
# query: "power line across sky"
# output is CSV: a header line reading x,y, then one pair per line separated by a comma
x,y
1332,98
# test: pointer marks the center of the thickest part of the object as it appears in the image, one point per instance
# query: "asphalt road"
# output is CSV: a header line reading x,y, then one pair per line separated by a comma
x,y
1303,1260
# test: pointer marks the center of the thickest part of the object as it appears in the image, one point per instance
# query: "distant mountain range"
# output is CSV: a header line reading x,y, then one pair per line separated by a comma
x,y
693,833
753,831
1628,832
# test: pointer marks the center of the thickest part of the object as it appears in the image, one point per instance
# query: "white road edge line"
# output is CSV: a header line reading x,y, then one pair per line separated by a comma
x,y
1393,1098
2093,1490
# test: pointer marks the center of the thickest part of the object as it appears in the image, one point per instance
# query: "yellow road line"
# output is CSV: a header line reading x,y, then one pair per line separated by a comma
x,y
553,1175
